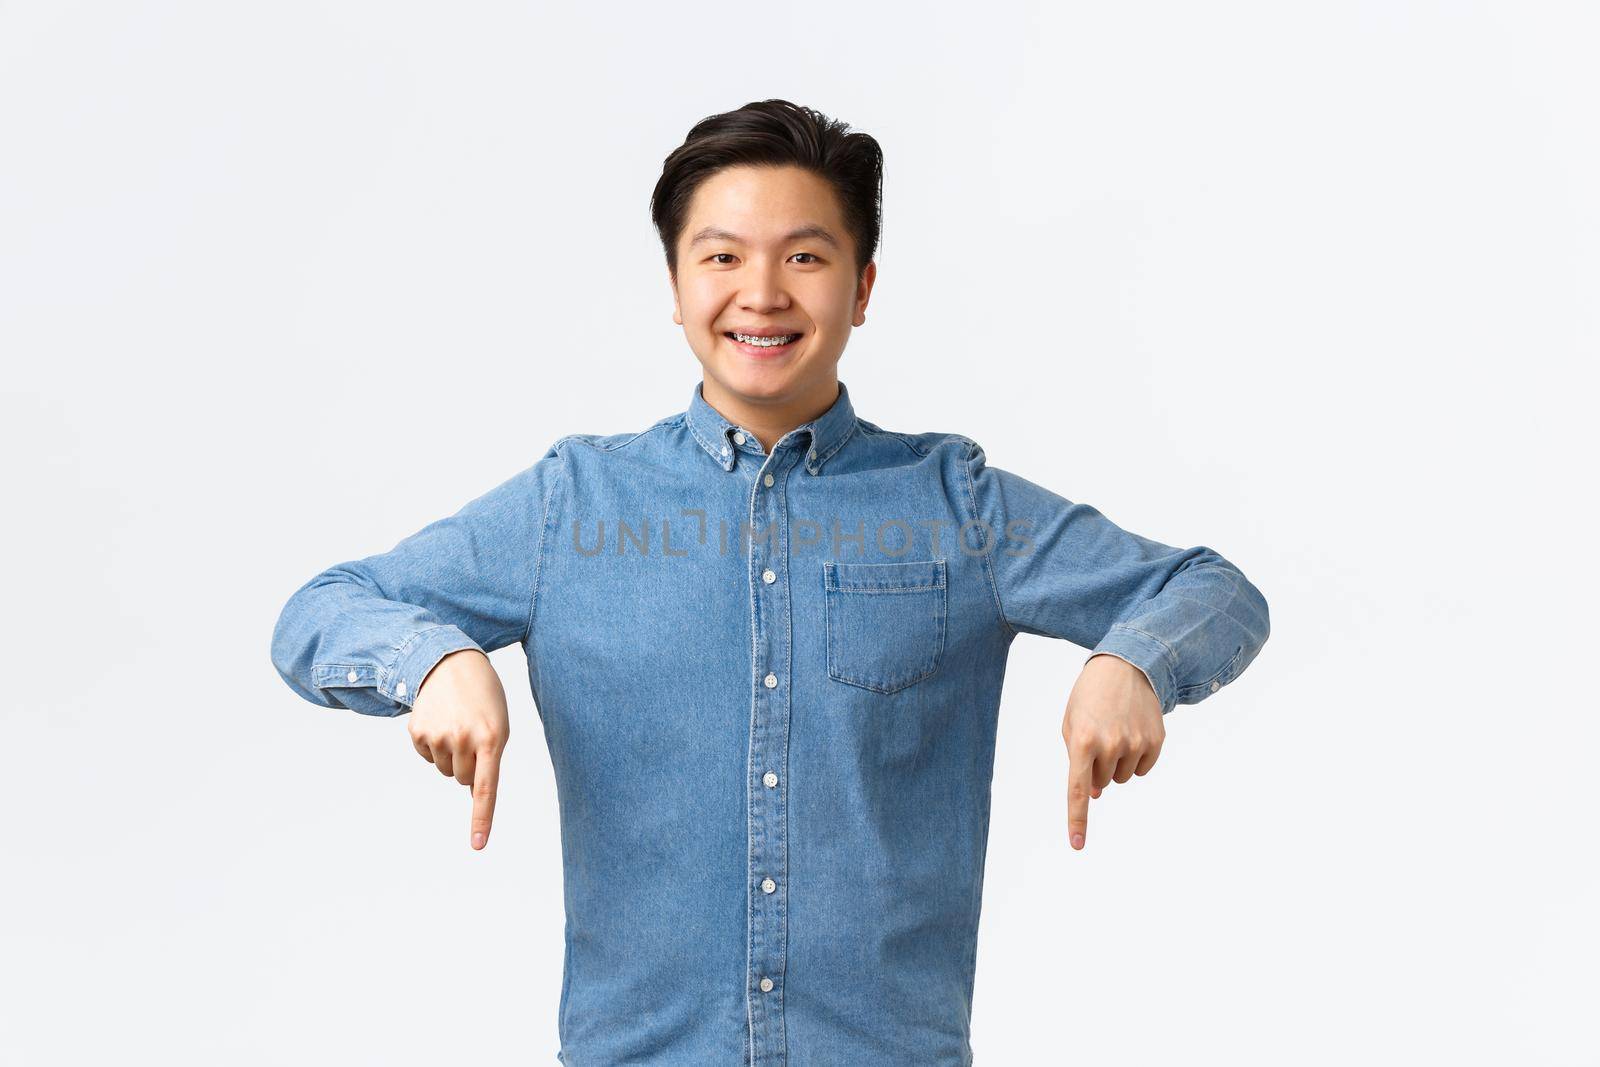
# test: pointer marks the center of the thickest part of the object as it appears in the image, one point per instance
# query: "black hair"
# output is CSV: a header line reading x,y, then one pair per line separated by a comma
x,y
775,133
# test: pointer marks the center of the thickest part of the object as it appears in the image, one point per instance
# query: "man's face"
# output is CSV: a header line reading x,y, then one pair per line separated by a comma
x,y
755,255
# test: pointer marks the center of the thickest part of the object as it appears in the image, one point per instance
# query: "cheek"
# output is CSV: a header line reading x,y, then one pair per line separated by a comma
x,y
702,301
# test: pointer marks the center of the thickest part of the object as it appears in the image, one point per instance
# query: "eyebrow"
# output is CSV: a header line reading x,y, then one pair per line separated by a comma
x,y
712,233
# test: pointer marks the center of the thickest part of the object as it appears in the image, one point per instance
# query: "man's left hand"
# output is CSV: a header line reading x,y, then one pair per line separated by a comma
x,y
1113,729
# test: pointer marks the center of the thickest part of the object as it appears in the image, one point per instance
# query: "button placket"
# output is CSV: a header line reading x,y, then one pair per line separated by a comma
x,y
769,732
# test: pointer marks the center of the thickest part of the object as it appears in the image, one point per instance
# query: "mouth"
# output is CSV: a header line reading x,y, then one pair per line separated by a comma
x,y
764,347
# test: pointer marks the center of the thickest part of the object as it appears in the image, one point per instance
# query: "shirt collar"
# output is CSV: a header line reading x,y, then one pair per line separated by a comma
x,y
827,432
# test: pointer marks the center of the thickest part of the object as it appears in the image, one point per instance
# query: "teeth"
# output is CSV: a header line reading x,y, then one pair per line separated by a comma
x,y
765,342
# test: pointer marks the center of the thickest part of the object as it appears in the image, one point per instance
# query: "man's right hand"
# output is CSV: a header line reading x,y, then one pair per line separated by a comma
x,y
459,723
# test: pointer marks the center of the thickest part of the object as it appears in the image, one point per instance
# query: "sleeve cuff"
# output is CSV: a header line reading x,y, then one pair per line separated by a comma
x,y
1146,653
417,657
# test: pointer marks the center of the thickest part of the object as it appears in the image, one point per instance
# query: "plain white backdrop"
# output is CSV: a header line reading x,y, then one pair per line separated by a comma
x,y
1311,284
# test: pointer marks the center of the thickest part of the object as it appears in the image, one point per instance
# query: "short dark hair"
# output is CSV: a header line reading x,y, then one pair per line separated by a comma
x,y
775,133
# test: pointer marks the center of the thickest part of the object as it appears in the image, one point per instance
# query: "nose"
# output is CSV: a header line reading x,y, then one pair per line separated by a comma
x,y
763,291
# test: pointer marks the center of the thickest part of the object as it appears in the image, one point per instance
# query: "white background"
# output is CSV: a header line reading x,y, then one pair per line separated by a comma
x,y
1311,284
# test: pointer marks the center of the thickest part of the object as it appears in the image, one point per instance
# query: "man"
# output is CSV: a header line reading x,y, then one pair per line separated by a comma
x,y
766,639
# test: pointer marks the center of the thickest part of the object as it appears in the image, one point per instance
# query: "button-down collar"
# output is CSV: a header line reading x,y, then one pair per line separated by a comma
x,y
824,435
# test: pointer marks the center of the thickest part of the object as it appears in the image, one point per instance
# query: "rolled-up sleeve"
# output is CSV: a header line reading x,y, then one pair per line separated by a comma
x,y
1186,617
363,634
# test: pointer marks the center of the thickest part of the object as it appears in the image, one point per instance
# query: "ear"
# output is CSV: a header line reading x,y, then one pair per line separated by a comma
x,y
864,292
677,308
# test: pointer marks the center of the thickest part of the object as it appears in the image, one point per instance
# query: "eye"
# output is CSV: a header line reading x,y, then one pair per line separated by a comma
x,y
719,257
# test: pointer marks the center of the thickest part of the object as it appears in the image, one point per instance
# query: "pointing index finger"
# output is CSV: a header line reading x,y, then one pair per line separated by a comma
x,y
1080,782
485,786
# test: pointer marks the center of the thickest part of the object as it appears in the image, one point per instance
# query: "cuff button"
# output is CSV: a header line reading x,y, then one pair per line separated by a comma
x,y
352,677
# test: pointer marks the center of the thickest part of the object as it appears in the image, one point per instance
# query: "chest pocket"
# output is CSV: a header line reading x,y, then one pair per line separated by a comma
x,y
886,622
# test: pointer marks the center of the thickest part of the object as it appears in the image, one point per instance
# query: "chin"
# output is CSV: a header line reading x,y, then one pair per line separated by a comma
x,y
757,383
755,380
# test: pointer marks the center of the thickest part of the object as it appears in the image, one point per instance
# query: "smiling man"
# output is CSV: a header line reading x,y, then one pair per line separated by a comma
x,y
766,639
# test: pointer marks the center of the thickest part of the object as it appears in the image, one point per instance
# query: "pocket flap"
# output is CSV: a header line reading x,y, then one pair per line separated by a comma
x,y
906,576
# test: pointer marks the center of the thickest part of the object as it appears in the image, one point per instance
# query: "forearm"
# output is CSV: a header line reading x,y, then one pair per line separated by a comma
x,y
340,643
1197,634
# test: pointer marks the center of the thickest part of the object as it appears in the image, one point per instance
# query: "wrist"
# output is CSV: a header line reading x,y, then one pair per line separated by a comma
x,y
451,662
1124,665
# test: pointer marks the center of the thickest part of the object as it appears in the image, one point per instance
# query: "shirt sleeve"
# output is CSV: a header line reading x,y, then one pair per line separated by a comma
x,y
1186,617
363,634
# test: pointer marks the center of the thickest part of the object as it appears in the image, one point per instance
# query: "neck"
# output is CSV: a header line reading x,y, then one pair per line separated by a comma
x,y
770,419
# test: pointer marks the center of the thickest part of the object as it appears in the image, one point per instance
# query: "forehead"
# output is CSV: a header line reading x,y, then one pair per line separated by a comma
x,y
763,204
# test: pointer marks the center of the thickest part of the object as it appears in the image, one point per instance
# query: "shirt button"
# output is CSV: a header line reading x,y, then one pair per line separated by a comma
x,y
766,985
766,576
812,454
767,480
352,677
1215,686
400,689
738,438
770,778
768,885
771,681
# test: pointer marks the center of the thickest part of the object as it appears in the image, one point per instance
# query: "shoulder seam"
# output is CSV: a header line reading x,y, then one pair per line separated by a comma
x,y
879,431
972,449
584,438
544,526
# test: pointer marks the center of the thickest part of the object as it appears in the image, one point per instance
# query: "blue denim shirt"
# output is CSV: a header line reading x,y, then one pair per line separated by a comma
x,y
769,684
